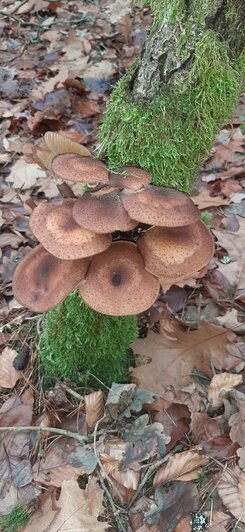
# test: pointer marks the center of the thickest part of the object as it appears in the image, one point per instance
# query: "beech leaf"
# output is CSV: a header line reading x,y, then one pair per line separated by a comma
x,y
94,403
183,466
231,489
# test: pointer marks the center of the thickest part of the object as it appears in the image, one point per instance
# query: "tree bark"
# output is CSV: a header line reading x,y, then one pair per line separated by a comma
x,y
165,112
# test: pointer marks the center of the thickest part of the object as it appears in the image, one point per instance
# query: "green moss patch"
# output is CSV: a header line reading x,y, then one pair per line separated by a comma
x,y
78,343
172,135
19,516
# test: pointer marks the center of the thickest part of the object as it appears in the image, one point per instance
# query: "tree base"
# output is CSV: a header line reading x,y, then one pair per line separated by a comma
x,y
86,347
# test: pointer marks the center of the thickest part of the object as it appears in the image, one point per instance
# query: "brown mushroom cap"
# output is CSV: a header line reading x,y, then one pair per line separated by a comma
x,y
41,281
72,167
129,177
102,214
160,206
54,226
172,253
117,283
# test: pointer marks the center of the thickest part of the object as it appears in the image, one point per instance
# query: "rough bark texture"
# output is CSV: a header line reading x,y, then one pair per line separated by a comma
x,y
165,112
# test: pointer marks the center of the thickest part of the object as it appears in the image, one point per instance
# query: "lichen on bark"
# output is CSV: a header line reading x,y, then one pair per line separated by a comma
x,y
164,114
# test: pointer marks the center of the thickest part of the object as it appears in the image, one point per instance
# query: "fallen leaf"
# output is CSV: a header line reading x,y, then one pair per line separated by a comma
x,y
203,200
174,357
231,489
203,427
8,374
230,321
233,243
94,403
183,466
75,510
10,239
241,453
220,385
24,175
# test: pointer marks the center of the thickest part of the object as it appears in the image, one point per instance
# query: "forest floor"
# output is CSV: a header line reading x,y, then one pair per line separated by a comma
x,y
167,451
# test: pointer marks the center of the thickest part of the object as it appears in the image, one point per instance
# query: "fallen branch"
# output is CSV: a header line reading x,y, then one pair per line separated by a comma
x,y
62,432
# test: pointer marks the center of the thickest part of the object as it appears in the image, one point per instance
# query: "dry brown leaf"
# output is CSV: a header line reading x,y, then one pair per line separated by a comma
x,y
24,175
129,479
76,510
53,469
231,489
8,374
173,358
220,385
241,453
203,427
230,321
233,243
203,200
10,239
94,403
183,466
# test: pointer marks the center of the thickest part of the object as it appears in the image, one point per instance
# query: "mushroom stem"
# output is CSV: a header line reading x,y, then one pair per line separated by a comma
x,y
66,191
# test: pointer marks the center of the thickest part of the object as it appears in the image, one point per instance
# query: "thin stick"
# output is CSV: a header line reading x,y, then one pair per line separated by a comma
x,y
120,525
81,439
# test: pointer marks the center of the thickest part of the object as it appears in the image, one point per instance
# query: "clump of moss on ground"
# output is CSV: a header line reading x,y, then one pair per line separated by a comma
x,y
78,342
172,135
19,516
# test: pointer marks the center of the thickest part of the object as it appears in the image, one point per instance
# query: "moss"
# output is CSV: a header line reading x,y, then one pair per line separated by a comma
x,y
16,519
172,135
78,342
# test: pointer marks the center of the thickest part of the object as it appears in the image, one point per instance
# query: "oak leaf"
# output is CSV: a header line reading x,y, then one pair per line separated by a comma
x,y
174,357
183,466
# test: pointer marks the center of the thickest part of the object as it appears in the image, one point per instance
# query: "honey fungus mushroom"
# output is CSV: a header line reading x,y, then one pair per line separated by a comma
x,y
117,283
54,226
41,281
129,177
160,206
102,214
173,253
78,169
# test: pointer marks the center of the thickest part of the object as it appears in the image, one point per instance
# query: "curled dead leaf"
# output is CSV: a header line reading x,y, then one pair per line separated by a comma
x,y
94,403
8,374
220,385
183,466
231,489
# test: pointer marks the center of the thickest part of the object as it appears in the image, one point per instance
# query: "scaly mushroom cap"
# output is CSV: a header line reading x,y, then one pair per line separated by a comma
x,y
72,167
160,206
172,253
54,226
129,177
117,283
41,281
102,214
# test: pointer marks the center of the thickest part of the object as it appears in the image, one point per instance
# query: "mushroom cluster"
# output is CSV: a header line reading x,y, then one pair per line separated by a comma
x,y
97,243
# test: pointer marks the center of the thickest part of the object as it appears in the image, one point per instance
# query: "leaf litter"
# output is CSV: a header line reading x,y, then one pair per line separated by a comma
x,y
169,447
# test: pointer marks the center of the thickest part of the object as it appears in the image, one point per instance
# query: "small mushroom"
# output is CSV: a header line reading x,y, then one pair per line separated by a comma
x,y
54,226
72,167
129,177
102,214
41,281
117,283
171,253
160,206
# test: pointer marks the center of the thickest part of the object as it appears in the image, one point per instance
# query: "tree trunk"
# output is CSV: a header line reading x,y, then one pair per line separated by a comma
x,y
165,112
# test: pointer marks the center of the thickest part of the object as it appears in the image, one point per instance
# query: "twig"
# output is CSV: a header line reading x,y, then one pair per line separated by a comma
x,y
70,391
120,525
103,472
62,432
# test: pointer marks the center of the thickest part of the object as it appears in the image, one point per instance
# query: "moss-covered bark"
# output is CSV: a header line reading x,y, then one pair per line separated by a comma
x,y
165,113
